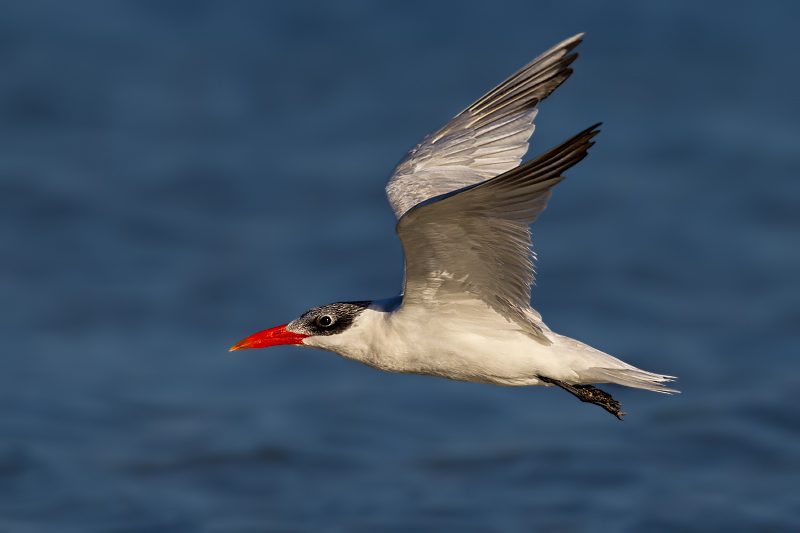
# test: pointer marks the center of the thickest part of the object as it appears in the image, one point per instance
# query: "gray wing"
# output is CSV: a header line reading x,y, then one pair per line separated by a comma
x,y
486,139
476,241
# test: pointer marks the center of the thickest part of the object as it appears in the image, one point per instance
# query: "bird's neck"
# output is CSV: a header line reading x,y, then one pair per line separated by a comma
x,y
368,338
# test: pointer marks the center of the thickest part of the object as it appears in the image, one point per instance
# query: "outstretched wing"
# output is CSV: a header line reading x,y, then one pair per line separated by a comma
x,y
476,241
486,139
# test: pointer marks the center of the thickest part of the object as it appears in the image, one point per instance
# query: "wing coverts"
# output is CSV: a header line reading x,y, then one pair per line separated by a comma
x,y
477,241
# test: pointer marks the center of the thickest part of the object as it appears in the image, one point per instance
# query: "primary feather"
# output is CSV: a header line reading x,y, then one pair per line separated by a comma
x,y
486,139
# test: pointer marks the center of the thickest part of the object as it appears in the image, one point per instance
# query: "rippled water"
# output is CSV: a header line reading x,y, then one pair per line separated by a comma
x,y
175,176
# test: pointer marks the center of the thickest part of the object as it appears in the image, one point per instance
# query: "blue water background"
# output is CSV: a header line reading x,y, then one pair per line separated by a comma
x,y
175,176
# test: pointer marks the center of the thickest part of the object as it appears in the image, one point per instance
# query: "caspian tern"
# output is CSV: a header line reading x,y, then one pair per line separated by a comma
x,y
463,204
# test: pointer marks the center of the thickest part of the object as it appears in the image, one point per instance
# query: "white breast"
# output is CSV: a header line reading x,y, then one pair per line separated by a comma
x,y
469,342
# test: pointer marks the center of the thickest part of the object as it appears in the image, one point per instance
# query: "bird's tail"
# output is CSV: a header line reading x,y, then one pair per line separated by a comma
x,y
629,377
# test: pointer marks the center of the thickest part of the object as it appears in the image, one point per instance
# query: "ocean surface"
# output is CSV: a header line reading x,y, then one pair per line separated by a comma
x,y
177,175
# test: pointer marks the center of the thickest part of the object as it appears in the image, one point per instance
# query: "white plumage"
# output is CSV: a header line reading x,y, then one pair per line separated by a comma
x,y
463,204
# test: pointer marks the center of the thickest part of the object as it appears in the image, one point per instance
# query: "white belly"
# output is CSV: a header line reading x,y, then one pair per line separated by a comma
x,y
464,347
470,342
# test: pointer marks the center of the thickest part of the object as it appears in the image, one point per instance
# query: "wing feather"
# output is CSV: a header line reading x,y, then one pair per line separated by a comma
x,y
476,241
486,139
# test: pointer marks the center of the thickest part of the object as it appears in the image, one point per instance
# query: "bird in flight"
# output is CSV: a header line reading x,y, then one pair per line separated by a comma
x,y
464,204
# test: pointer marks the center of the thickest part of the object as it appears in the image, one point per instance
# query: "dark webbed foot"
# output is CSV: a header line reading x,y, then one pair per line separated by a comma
x,y
587,393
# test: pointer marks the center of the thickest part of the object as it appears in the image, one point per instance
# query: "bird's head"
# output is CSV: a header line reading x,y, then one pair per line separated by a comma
x,y
323,321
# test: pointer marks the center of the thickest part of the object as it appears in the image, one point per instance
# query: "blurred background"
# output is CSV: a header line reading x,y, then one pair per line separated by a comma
x,y
177,175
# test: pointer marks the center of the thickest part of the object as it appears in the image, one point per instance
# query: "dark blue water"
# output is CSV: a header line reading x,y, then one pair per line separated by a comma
x,y
175,176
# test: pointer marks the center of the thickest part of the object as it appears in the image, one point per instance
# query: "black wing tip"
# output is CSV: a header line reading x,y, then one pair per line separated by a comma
x,y
548,169
592,128
568,60
561,71
580,139
570,47
570,43
587,134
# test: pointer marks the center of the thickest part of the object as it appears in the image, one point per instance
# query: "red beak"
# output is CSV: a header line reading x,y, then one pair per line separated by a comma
x,y
270,337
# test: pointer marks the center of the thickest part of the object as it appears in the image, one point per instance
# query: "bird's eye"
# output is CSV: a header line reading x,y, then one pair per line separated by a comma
x,y
324,321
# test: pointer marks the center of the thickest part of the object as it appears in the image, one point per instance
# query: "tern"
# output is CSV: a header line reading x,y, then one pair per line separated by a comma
x,y
464,205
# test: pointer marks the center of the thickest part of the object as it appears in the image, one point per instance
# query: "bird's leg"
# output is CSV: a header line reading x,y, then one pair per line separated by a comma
x,y
587,393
